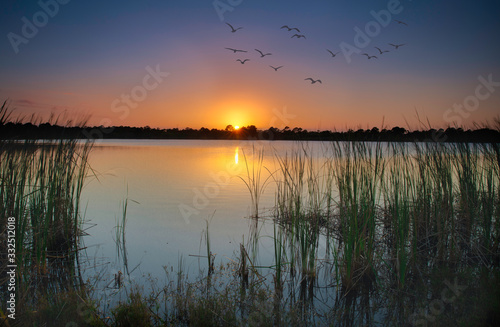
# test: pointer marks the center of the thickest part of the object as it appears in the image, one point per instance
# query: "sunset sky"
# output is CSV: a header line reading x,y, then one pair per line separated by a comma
x,y
164,63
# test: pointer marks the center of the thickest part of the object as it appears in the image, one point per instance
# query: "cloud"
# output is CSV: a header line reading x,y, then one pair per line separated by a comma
x,y
25,103
29,104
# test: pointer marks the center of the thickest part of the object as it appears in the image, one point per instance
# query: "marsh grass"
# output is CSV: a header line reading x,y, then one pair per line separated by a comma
x,y
358,175
205,235
398,192
279,240
253,181
300,211
40,185
210,255
390,210
121,243
243,270
396,220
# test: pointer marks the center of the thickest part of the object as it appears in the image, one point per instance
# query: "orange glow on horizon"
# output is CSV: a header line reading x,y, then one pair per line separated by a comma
x,y
239,110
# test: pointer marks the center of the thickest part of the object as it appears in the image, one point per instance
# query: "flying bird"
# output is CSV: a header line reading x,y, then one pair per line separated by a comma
x,y
290,28
396,45
381,52
262,54
400,22
333,54
368,56
275,68
233,29
242,62
235,50
298,36
312,80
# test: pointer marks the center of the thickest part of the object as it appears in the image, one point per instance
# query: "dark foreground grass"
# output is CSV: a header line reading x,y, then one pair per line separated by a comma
x,y
462,299
40,187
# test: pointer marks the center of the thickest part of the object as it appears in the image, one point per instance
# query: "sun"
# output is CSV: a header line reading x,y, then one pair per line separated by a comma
x,y
236,127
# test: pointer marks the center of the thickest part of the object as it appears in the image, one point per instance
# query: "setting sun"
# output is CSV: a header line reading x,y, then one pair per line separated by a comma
x,y
236,127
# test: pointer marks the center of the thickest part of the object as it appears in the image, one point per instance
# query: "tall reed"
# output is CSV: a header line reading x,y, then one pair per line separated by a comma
x,y
41,185
253,179
210,255
120,232
279,258
398,188
300,196
358,171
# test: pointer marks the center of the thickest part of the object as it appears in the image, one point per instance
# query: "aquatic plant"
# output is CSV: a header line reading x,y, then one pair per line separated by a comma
x,y
358,170
41,185
253,179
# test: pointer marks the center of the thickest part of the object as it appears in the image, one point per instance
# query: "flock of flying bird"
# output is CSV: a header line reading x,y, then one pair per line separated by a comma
x,y
298,36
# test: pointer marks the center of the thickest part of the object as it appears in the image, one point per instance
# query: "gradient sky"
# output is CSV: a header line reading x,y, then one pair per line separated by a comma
x,y
90,54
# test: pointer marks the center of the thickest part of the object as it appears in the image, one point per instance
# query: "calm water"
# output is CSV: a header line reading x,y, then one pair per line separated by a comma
x,y
173,187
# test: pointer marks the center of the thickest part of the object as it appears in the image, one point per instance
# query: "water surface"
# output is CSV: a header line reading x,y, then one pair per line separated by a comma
x,y
173,187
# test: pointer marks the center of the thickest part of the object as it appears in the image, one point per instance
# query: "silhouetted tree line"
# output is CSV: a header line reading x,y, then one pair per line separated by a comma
x,y
399,134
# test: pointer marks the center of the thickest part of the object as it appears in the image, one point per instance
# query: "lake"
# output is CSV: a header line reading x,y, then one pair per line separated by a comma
x,y
173,187
364,231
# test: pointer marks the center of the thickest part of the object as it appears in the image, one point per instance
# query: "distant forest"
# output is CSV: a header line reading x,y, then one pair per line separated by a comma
x,y
48,131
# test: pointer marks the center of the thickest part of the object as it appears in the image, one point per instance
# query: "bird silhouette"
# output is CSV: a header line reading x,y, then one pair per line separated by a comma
x,y
233,29
368,56
381,52
312,80
396,45
242,62
235,50
333,54
400,22
290,28
298,36
262,54
275,68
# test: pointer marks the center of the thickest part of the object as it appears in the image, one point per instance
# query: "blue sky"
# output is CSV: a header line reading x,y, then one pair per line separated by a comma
x,y
90,54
